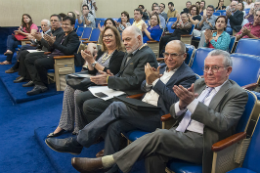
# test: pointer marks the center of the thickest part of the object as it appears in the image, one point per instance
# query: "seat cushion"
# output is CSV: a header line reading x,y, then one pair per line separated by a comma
x,y
241,170
196,38
133,135
179,166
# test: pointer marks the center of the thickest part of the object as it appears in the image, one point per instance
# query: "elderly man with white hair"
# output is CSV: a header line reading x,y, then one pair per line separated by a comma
x,y
206,113
235,18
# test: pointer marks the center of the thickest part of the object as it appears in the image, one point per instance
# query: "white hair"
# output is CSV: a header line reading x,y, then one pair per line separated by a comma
x,y
227,59
47,21
137,32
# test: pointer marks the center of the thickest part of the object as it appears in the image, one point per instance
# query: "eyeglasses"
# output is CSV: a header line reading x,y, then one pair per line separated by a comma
x,y
213,68
107,36
173,55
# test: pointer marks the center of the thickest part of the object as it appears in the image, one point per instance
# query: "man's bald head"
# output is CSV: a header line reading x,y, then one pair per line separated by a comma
x,y
132,38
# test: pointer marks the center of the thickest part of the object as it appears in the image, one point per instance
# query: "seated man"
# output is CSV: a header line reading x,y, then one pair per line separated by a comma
x,y
138,15
86,19
162,7
250,15
187,9
37,65
172,12
156,10
235,18
119,118
251,30
145,15
207,112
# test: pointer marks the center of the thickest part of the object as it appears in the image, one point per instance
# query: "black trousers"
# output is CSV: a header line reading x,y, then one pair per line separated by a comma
x,y
37,65
22,68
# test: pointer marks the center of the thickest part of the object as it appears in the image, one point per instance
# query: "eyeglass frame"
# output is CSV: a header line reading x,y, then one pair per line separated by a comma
x,y
214,70
173,55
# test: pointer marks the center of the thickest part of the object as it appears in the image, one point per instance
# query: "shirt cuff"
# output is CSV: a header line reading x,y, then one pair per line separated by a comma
x,y
154,82
107,79
192,106
178,112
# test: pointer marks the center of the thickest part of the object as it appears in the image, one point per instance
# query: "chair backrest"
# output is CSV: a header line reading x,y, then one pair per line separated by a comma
x,y
116,19
247,10
222,12
246,69
191,51
217,14
172,19
248,46
232,43
198,61
101,21
169,26
131,20
87,32
147,22
251,160
95,35
192,28
80,31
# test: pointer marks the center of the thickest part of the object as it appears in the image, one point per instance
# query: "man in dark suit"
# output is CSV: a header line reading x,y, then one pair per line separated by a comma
x,y
119,118
62,44
207,112
235,18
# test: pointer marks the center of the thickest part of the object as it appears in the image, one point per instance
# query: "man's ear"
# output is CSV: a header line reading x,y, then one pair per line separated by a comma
x,y
139,37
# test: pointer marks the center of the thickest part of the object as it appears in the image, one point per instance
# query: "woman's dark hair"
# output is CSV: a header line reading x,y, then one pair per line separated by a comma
x,y
138,9
71,19
197,9
224,17
127,15
28,29
153,5
119,44
73,14
243,6
158,19
141,6
204,4
111,21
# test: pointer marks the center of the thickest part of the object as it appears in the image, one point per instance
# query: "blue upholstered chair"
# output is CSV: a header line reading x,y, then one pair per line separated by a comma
x,y
191,52
131,20
169,26
94,36
247,10
154,45
222,12
232,43
80,31
248,46
86,33
101,21
217,14
172,19
187,38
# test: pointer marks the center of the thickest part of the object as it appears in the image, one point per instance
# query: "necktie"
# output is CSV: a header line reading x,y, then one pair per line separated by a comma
x,y
187,117
128,58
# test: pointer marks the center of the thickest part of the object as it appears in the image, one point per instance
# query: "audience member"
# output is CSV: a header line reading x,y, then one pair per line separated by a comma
x,y
62,15
162,8
119,118
24,31
235,18
187,9
153,31
72,15
219,39
145,15
108,22
138,14
86,18
125,22
156,10
182,27
251,30
108,58
202,8
194,15
206,113
249,4
172,12
250,15
63,44
221,5
241,7
91,6
198,4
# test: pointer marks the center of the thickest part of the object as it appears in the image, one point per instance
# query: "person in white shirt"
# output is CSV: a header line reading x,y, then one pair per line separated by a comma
x,y
210,109
92,5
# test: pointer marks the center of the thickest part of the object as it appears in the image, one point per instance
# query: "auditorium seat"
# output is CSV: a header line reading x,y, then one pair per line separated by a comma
x,y
94,36
80,31
247,10
86,33
248,46
169,26
154,45
191,52
232,43
187,38
222,12
217,14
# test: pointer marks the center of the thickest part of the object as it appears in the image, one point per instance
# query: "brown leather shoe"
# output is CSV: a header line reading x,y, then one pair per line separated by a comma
x,y
87,165
11,70
100,153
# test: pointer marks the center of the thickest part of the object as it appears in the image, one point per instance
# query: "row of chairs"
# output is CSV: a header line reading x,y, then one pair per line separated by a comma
x,y
101,21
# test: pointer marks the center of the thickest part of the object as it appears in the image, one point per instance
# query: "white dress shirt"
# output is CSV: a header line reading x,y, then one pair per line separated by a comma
x,y
194,125
152,97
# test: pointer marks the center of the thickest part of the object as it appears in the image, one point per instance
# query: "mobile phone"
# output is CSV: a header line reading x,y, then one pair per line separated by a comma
x,y
101,95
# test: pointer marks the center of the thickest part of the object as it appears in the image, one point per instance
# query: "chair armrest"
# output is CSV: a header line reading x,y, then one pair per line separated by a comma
x,y
152,41
83,38
160,59
228,141
136,96
26,39
63,57
47,53
27,42
167,33
186,35
166,117
250,86
85,42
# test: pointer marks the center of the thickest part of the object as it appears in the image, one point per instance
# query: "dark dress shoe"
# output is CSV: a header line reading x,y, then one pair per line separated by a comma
x,y
11,70
29,84
21,79
37,90
67,145
87,165
100,153
51,135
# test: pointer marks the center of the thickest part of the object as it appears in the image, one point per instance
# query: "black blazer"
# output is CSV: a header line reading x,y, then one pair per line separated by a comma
x,y
114,63
56,32
236,20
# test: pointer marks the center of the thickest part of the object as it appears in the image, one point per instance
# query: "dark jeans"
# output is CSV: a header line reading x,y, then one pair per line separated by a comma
x,y
12,43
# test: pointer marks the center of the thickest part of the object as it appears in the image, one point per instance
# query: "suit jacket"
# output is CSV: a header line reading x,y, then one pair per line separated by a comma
x,y
183,76
56,32
236,20
40,45
220,117
131,75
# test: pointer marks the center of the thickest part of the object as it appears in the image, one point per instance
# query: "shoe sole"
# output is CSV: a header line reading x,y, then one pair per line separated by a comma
x,y
59,151
28,85
31,94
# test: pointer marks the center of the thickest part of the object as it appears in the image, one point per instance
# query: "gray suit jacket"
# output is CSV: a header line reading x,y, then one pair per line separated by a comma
x,y
131,76
220,117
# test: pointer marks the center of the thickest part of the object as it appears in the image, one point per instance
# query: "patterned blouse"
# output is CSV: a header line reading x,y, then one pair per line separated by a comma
x,y
222,43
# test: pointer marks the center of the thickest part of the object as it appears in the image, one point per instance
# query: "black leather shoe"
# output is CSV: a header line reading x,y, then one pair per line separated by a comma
x,y
29,84
87,165
67,145
51,135
37,90
21,79
11,70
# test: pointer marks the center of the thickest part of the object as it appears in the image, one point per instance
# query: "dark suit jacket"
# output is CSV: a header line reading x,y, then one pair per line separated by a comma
x,y
183,76
56,32
131,76
236,20
114,63
220,117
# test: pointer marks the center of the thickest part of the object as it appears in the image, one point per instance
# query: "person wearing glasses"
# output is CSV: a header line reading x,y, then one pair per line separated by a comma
x,y
108,59
162,8
221,5
235,18
153,31
194,15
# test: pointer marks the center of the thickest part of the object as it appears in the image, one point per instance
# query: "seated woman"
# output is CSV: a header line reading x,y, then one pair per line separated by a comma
x,y
219,39
108,22
108,59
125,22
182,27
154,31
27,28
202,8
194,15
221,5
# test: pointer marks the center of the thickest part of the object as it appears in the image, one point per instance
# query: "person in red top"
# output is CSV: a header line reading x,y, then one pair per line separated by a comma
x,y
27,28
251,30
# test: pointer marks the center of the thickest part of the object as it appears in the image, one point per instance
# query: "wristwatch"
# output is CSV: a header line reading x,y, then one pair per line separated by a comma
x,y
93,64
